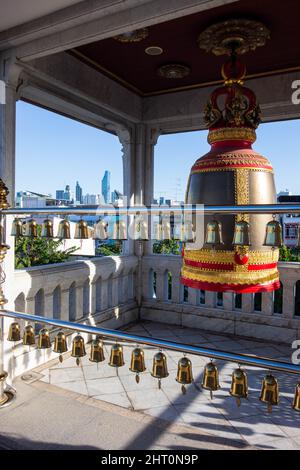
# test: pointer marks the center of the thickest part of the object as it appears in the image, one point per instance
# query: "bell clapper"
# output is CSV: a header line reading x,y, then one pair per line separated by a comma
x,y
238,401
183,389
159,384
78,361
60,358
211,394
137,378
269,407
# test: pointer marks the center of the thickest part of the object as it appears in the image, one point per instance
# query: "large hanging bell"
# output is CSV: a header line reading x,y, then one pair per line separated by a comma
x,y
97,351
137,363
28,336
210,380
81,230
100,230
273,234
30,228
78,348
184,373
47,229
214,233
159,367
116,356
44,339
239,385
269,391
64,230
14,332
296,401
17,228
241,235
60,344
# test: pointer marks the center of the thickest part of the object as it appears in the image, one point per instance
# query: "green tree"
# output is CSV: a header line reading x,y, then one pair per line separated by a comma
x,y
37,251
167,247
289,254
109,249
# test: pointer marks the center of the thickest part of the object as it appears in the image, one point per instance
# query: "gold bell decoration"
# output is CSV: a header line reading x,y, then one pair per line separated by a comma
x,y
296,401
81,230
158,231
137,364
97,352
273,236
210,380
64,230
3,195
159,367
44,339
116,356
17,228
100,230
165,229
28,336
187,233
78,348
60,345
14,332
241,235
269,391
119,230
239,385
184,373
47,229
30,228
214,233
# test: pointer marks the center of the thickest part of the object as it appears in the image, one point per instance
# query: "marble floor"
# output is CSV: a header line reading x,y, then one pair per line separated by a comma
x,y
249,425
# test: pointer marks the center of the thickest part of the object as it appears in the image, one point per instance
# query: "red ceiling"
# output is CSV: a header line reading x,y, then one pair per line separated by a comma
x,y
128,63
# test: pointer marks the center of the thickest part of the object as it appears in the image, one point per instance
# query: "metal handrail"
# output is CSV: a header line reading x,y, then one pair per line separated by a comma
x,y
157,210
245,359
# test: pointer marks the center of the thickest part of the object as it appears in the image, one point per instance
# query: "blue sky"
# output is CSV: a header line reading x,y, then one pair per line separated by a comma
x,y
52,151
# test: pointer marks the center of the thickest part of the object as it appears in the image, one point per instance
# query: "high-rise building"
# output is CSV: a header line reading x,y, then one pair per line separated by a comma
x,y
78,193
105,186
90,199
67,193
60,194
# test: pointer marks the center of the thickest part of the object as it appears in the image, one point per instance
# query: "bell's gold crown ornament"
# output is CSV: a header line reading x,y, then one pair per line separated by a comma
x,y
210,379
269,391
232,173
78,348
239,385
60,345
137,364
159,367
184,373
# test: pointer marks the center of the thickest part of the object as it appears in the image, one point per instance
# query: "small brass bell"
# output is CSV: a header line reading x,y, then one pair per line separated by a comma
x,y
119,230
47,229
100,230
64,229
28,336
97,352
78,348
214,233
241,235
60,344
159,367
187,234
44,339
269,391
210,380
239,385
81,230
273,234
165,230
17,228
184,373
296,401
116,356
141,229
137,364
30,228
158,231
14,332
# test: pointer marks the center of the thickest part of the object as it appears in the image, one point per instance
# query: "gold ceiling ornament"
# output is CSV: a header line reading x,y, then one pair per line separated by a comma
x,y
3,195
173,71
241,34
133,36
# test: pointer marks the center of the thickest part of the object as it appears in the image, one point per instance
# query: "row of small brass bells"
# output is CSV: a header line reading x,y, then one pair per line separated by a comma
x,y
159,367
116,356
184,373
60,345
97,351
239,385
78,348
137,364
210,379
269,391
273,234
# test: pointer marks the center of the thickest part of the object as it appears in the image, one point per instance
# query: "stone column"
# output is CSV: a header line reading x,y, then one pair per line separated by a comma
x,y
93,298
210,299
247,303
104,293
79,302
160,285
115,291
65,304
228,301
267,303
288,298
49,305
193,296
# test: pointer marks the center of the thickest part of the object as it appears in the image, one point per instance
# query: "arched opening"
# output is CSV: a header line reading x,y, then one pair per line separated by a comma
x,y
185,294
238,301
152,284
57,303
278,296
297,298
219,301
202,297
39,307
257,301
72,302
